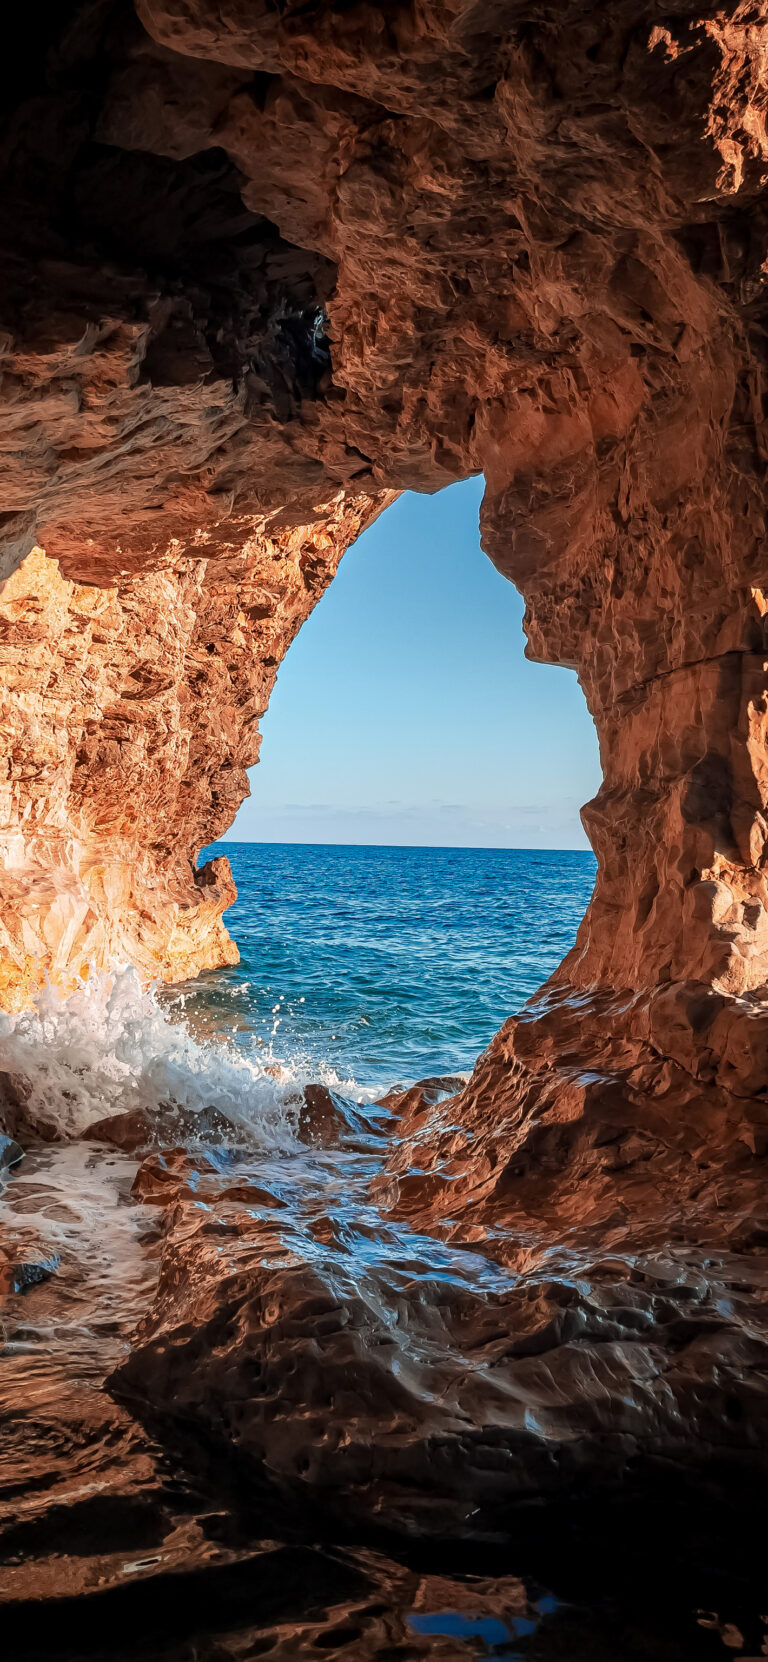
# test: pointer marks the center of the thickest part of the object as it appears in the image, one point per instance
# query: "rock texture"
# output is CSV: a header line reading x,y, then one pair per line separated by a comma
x,y
369,1374
130,713
270,263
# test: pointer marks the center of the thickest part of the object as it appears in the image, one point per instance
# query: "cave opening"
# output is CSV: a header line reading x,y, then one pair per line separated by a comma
x,y
410,865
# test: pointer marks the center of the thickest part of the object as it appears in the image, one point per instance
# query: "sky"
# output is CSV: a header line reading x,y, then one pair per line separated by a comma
x,y
405,711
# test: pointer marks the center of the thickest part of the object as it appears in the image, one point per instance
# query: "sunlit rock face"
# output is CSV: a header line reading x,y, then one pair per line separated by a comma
x,y
271,263
130,714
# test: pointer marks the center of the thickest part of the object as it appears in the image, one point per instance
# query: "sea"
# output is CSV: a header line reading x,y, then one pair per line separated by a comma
x,y
386,965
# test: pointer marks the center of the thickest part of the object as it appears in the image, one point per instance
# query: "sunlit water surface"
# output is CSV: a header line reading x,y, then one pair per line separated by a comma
x,y
388,964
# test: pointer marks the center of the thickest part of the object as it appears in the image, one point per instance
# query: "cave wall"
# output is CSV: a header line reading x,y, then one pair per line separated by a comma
x,y
129,712
270,258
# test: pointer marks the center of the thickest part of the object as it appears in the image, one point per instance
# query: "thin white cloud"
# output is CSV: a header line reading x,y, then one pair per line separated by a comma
x,y
439,823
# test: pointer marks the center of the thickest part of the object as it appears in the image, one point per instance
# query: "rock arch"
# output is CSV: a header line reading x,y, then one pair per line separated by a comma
x,y
264,265
271,264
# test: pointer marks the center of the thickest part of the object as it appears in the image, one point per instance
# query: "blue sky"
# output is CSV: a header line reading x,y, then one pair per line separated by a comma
x,y
405,711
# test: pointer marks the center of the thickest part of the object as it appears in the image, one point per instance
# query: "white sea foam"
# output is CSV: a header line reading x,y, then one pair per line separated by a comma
x,y
110,1047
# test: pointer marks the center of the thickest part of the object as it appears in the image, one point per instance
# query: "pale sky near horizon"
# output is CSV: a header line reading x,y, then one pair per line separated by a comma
x,y
405,711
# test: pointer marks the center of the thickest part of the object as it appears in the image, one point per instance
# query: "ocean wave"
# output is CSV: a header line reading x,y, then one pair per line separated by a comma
x,y
110,1047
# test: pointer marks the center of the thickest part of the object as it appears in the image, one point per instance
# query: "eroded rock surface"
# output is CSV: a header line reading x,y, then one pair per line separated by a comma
x,y
356,1365
130,713
270,264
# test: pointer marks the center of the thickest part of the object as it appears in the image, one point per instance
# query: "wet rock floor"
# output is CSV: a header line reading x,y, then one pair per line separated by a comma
x,y
118,1539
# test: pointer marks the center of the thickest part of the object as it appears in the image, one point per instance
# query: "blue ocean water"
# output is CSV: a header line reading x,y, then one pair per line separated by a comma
x,y
388,964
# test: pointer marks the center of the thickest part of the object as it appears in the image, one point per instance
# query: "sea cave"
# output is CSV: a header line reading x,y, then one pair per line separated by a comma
x,y
265,265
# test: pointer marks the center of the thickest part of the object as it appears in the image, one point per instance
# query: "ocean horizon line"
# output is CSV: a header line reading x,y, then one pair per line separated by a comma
x,y
433,848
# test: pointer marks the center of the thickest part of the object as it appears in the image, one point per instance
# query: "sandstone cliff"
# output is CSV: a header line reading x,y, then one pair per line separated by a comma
x,y
129,712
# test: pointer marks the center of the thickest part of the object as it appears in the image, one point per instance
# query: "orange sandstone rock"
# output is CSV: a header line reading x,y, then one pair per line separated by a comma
x,y
129,714
271,263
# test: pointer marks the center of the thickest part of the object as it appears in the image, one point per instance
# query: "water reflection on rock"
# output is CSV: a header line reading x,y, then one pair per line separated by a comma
x,y
219,1355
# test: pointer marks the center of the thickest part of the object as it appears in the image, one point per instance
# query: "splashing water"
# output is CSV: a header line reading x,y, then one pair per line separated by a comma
x,y
110,1048
361,969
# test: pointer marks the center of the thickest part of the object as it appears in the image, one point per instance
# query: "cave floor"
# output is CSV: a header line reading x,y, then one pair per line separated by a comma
x,y
118,1537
